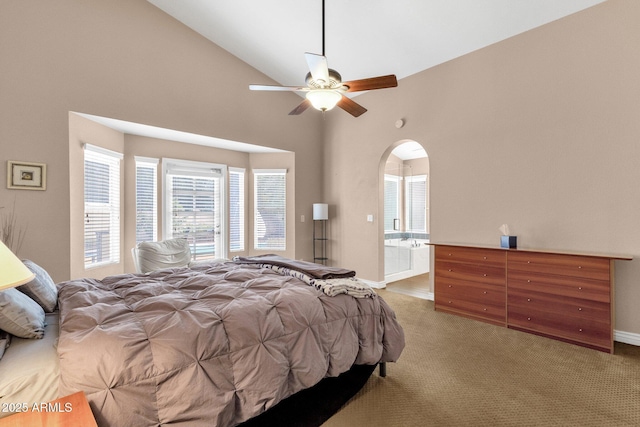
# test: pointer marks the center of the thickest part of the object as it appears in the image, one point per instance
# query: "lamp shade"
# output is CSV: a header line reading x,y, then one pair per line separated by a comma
x,y
323,99
320,211
12,271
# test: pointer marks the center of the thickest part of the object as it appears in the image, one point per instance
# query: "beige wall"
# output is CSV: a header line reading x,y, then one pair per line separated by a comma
x,y
127,60
540,131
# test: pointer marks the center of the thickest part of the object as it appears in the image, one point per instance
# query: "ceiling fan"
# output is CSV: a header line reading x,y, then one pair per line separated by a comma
x,y
325,88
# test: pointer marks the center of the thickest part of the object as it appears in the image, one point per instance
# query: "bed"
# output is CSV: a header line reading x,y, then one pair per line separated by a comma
x,y
215,344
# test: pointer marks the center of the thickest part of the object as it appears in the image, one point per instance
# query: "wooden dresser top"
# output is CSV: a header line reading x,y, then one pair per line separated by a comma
x,y
547,251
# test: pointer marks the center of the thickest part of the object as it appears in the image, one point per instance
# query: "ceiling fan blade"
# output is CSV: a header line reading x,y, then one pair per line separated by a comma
x,y
351,107
318,67
381,82
279,88
300,108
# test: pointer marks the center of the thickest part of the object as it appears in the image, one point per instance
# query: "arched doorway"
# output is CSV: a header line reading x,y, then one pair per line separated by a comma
x,y
406,218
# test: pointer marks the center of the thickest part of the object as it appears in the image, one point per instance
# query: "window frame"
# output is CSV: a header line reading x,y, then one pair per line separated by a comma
x,y
112,160
195,169
257,217
150,163
241,210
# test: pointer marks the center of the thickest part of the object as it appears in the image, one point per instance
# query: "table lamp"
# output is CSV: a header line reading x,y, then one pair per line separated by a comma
x,y
12,271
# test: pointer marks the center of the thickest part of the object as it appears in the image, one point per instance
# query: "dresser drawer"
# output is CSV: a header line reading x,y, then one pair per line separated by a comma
x,y
470,291
579,329
521,301
558,264
561,286
471,272
489,312
491,257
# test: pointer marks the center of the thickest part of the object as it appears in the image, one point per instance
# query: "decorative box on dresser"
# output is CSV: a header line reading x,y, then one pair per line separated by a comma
x,y
565,296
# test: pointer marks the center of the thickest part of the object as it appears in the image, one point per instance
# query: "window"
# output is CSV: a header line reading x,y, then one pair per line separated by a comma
x,y
146,200
391,203
416,203
236,209
101,206
270,209
194,206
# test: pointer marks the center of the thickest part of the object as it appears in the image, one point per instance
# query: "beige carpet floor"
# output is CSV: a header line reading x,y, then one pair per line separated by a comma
x,y
459,372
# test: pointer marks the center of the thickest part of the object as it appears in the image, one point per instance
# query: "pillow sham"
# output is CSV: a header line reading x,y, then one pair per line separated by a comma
x,y
20,315
5,340
41,289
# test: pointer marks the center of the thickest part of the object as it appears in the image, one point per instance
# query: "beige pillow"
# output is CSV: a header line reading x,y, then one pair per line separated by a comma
x,y
41,289
20,315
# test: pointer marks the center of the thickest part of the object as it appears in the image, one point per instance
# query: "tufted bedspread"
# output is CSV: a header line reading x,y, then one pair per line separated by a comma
x,y
211,345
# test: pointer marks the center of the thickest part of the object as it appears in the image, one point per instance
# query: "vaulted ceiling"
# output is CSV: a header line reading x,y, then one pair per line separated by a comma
x,y
364,38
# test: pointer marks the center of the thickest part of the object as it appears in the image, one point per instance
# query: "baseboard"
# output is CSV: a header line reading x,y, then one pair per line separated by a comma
x,y
626,337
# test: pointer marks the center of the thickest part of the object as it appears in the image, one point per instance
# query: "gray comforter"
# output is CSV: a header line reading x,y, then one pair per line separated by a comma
x,y
211,345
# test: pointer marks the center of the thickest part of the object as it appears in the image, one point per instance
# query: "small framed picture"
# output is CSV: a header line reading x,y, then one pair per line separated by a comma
x,y
26,175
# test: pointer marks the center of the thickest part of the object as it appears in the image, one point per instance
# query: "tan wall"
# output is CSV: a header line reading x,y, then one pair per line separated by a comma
x,y
540,131
127,60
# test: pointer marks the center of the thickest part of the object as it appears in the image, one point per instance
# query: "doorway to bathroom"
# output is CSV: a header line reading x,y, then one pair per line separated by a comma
x,y
406,220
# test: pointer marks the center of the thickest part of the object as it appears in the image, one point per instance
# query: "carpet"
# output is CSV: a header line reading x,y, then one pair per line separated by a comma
x,y
460,372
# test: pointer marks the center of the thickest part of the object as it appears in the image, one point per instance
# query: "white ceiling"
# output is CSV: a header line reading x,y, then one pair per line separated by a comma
x,y
364,38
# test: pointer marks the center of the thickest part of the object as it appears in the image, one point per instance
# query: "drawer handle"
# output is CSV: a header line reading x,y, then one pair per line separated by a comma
x,y
579,266
580,329
528,299
484,309
528,262
449,302
528,318
528,280
484,257
449,269
579,288
579,308
449,254
484,275
484,292
449,285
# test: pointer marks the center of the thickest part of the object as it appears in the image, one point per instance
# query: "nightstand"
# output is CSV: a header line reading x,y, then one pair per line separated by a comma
x,y
68,411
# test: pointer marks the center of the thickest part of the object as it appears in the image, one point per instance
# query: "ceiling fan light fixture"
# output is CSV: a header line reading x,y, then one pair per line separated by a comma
x,y
324,99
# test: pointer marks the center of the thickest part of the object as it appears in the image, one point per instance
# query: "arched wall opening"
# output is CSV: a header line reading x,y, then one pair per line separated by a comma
x,y
404,253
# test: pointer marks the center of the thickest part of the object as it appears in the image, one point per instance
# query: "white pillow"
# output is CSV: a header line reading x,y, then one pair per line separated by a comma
x,y
20,315
172,253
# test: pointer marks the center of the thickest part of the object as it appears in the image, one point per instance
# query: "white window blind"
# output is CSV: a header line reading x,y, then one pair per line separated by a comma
x,y
391,203
146,199
236,209
270,209
416,203
194,207
101,206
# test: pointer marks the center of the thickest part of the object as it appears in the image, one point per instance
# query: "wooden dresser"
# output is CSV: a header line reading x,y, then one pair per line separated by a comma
x,y
565,296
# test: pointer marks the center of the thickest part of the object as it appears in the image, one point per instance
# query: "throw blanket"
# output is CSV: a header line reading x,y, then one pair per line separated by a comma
x,y
317,271
211,345
332,287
